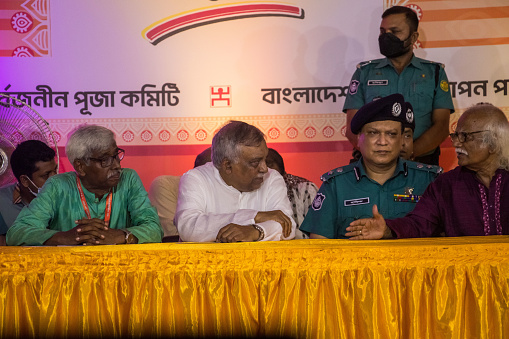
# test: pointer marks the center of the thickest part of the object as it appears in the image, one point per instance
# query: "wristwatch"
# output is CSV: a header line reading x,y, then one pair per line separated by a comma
x,y
259,229
129,237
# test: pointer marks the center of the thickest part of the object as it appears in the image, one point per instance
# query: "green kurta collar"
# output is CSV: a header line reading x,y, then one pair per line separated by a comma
x,y
91,196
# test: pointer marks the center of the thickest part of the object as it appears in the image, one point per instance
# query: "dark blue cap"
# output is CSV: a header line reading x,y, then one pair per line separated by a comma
x,y
391,107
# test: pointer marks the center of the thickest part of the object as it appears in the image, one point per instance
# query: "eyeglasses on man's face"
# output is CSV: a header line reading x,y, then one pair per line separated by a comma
x,y
108,160
464,136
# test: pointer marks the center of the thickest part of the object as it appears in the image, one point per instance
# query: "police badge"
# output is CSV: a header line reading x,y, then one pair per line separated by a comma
x,y
409,116
354,85
396,109
318,201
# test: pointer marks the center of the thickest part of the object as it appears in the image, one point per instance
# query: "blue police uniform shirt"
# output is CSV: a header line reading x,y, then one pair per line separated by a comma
x,y
348,194
417,83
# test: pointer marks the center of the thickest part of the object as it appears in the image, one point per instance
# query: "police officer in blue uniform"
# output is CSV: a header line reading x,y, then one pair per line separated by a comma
x,y
379,177
423,83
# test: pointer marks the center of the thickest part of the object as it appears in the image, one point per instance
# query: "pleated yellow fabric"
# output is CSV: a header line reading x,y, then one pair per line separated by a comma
x,y
416,288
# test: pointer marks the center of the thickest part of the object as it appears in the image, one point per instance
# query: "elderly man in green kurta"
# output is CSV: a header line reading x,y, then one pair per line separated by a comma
x,y
379,177
98,204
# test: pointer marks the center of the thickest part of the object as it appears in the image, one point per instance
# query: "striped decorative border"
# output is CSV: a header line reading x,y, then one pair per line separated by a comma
x,y
200,130
462,23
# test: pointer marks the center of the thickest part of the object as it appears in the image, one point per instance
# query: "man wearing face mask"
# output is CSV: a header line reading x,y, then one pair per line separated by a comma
x,y
32,163
423,83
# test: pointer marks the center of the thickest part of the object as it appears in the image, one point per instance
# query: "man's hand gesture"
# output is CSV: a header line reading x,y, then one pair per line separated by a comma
x,y
366,229
88,232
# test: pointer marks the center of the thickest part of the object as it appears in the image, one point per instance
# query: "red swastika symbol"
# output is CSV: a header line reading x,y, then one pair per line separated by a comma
x,y
220,96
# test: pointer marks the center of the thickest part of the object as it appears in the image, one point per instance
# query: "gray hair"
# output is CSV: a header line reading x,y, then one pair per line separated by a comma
x,y
227,141
497,124
87,139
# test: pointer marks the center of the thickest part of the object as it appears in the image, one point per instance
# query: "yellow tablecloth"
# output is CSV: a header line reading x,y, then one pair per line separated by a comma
x,y
416,288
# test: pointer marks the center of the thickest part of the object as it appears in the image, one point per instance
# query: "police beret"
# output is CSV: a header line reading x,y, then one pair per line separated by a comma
x,y
391,107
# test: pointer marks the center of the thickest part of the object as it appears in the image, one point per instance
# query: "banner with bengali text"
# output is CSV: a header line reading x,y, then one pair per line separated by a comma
x,y
170,73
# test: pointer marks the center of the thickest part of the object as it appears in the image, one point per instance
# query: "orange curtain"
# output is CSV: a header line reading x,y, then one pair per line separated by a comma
x,y
417,288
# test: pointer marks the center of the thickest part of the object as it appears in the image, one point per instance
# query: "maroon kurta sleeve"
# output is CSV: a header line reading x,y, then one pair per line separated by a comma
x,y
457,204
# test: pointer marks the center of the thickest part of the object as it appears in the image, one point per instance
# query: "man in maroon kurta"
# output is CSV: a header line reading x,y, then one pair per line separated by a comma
x,y
468,200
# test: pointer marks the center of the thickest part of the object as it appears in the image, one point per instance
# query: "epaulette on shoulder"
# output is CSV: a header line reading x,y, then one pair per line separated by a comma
x,y
364,63
424,167
434,63
337,171
369,62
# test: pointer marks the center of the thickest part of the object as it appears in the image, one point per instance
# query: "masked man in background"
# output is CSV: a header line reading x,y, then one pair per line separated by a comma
x,y
423,83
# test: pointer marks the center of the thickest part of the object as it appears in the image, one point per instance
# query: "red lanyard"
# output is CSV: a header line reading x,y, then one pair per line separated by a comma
x,y
107,210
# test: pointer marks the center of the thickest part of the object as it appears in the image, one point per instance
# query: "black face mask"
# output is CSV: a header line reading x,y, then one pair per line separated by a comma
x,y
391,46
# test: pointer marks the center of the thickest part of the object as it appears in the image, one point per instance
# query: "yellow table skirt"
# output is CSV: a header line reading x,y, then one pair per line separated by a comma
x,y
416,288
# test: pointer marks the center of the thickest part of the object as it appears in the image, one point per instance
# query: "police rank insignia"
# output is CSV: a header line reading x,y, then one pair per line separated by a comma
x,y
354,85
318,201
406,198
444,85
